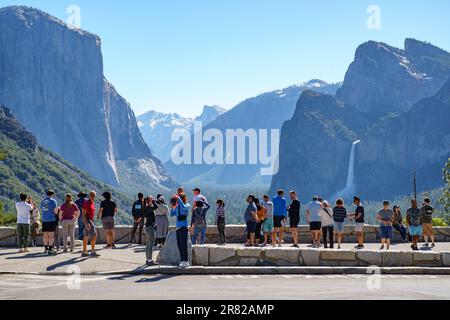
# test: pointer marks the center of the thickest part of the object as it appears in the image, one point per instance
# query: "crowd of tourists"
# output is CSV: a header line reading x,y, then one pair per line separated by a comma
x,y
267,221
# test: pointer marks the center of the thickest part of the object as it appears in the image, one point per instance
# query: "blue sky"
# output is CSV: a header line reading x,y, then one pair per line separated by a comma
x,y
178,55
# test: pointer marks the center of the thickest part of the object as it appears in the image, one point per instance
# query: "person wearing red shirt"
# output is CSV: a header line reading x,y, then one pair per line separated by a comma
x,y
90,233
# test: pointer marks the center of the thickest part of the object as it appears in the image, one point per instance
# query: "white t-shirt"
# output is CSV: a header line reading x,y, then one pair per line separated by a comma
x,y
23,212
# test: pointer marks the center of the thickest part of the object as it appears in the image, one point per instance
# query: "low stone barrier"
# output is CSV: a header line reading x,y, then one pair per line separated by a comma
x,y
234,255
236,234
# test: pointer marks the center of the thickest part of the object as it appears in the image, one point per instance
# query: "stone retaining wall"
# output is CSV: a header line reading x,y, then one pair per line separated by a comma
x,y
235,234
211,255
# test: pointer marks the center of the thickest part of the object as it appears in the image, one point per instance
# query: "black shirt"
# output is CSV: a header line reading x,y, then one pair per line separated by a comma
x,y
108,207
359,209
294,209
149,214
138,209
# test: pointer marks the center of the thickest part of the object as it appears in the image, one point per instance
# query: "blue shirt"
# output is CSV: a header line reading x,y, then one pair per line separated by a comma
x,y
48,206
248,213
279,206
314,208
181,210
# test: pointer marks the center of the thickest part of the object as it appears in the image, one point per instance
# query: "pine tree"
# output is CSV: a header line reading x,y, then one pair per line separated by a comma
x,y
445,198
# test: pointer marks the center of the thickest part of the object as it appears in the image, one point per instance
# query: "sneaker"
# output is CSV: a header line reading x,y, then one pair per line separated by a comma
x,y
84,254
46,251
433,245
94,254
359,247
51,252
294,246
149,263
65,251
415,248
186,264
426,245
382,248
113,246
108,246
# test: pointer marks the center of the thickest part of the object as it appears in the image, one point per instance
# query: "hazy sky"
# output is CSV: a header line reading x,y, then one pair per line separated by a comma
x,y
176,56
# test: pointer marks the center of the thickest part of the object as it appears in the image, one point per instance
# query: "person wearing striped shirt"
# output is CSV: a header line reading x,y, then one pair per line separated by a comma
x,y
220,221
339,216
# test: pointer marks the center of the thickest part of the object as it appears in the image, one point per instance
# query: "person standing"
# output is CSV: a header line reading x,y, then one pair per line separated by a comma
x,y
197,197
68,215
385,216
199,222
23,210
180,210
49,223
414,220
339,216
268,223
149,229
90,232
326,216
35,223
427,222
106,213
279,215
397,223
221,222
261,215
79,202
138,216
294,217
251,219
314,220
162,220
359,222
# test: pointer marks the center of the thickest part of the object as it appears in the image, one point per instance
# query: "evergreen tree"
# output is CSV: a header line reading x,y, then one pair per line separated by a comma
x,y
445,197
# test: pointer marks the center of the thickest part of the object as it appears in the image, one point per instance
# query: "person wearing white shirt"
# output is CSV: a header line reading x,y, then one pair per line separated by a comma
x,y
326,216
24,210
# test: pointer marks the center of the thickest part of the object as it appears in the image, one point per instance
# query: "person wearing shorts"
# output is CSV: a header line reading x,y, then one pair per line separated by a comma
x,y
359,222
294,217
314,220
49,223
90,233
385,216
268,226
414,220
279,215
339,216
108,209
427,222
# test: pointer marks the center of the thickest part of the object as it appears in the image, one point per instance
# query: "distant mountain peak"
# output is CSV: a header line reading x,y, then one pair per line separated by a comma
x,y
28,15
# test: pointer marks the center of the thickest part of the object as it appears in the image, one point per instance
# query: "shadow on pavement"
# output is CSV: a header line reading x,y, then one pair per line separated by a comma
x,y
156,278
65,263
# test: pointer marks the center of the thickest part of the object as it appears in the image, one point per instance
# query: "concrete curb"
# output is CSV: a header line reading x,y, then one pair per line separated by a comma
x,y
195,270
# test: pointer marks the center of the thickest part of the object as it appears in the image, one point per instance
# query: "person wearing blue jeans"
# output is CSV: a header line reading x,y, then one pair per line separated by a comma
x,y
180,210
80,201
385,216
199,221
397,224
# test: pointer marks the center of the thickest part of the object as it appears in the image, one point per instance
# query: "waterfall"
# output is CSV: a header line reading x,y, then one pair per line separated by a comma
x,y
350,185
